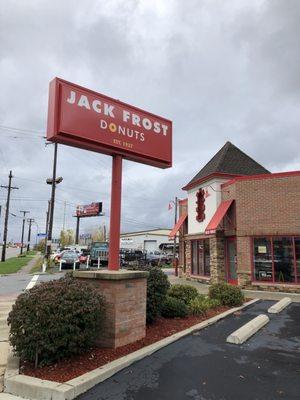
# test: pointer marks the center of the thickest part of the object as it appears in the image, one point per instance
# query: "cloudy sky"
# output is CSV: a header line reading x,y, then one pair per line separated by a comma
x,y
220,70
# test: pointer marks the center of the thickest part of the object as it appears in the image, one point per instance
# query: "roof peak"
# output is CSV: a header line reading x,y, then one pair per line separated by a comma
x,y
229,160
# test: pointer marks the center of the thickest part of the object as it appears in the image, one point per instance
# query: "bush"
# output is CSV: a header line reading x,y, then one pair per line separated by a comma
x,y
56,319
174,308
186,293
226,294
157,288
201,304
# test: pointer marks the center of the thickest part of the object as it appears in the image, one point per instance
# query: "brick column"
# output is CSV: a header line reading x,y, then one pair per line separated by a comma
x,y
188,258
125,296
217,259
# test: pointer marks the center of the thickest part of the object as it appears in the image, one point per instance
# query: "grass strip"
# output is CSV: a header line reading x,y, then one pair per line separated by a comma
x,y
14,264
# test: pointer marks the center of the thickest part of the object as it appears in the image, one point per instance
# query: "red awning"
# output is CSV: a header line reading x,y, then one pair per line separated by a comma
x,y
218,216
176,228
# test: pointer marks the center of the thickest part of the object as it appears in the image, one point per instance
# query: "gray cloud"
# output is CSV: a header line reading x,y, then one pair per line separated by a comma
x,y
220,70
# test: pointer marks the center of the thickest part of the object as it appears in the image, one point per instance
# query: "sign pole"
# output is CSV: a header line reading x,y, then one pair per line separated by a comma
x,y
77,230
115,214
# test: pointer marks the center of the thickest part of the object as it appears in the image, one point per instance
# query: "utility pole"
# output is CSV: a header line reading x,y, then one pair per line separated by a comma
x,y
104,233
30,220
23,226
9,188
65,203
53,183
77,230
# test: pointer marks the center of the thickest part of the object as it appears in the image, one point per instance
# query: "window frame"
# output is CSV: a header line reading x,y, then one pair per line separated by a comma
x,y
273,281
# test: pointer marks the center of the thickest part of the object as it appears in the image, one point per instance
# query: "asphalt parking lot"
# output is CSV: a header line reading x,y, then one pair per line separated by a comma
x,y
204,367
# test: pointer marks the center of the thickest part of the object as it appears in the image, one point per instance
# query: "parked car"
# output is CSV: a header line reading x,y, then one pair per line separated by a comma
x,y
83,256
68,258
128,256
99,250
55,256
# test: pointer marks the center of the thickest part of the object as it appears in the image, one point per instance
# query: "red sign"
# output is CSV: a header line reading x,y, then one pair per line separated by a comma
x,y
89,210
83,118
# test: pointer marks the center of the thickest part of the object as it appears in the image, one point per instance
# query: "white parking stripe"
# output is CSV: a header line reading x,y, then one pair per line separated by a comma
x,y
32,282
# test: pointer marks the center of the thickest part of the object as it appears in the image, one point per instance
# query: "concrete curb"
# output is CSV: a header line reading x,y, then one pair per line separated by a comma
x,y
34,388
279,306
249,329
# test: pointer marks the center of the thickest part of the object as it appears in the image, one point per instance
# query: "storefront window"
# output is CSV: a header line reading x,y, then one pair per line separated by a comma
x,y
297,254
194,258
262,260
200,257
283,259
274,260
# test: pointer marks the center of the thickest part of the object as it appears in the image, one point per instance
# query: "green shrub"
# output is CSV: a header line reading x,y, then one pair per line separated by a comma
x,y
186,293
227,295
214,303
56,319
157,288
201,304
174,308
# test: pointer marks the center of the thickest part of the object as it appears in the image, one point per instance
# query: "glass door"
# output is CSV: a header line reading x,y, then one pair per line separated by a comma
x,y
231,261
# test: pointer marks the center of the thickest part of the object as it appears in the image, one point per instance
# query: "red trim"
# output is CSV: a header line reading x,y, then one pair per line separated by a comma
x,y
293,237
177,226
260,177
218,216
272,254
207,178
295,260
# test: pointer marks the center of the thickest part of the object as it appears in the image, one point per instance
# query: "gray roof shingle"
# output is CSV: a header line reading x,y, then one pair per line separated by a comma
x,y
231,160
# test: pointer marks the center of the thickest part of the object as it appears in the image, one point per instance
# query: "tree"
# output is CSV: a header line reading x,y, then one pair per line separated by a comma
x,y
40,246
67,237
98,235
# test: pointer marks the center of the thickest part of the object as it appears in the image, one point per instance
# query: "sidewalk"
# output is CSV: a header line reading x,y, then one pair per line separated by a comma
x,y
249,294
5,307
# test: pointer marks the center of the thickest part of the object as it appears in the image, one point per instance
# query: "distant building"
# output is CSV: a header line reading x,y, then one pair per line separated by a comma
x,y
152,240
241,224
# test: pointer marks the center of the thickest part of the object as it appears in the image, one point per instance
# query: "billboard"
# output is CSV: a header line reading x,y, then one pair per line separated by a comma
x,y
86,119
89,210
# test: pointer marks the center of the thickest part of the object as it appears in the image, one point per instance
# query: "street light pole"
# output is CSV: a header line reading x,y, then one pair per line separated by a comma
x,y
23,226
52,201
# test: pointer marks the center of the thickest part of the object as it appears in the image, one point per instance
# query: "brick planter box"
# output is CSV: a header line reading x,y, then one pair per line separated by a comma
x,y
125,295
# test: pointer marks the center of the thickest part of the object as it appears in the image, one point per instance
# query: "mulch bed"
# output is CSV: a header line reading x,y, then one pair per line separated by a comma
x,y
97,357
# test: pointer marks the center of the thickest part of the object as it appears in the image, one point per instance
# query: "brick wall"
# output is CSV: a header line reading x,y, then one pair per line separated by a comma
x,y
125,320
266,206
263,207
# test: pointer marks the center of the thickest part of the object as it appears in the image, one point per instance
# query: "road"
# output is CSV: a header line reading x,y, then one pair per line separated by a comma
x,y
12,285
11,252
204,367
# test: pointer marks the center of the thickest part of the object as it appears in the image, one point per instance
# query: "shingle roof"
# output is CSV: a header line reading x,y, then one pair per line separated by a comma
x,y
230,160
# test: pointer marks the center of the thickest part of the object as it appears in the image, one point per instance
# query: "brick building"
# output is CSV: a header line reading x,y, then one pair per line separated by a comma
x,y
241,224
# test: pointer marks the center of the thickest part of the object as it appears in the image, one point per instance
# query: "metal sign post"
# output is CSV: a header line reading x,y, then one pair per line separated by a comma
x,y
115,214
